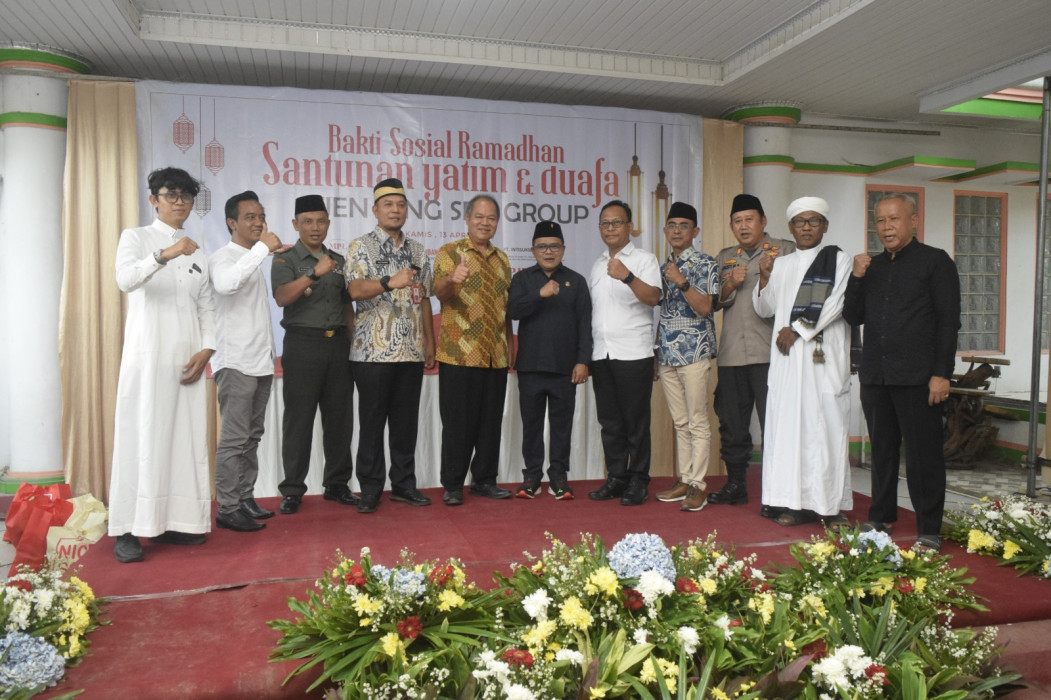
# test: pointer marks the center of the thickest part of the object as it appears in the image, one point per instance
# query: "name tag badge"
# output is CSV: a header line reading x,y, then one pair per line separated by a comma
x,y
417,297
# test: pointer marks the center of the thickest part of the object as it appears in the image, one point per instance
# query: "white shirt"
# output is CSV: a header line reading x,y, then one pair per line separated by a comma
x,y
621,325
244,334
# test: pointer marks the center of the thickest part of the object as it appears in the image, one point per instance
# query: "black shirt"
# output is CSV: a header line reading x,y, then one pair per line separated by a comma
x,y
910,306
554,333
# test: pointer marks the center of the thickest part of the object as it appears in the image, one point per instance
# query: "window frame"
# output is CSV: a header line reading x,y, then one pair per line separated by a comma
x,y
1001,332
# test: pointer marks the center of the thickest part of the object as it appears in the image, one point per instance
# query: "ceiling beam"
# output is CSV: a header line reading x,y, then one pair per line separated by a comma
x,y
975,85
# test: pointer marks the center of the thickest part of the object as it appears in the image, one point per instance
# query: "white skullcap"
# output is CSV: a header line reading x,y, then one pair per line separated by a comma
x,y
808,204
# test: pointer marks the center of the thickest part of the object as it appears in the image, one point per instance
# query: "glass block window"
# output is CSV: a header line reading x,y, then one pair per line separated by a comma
x,y
874,193
980,220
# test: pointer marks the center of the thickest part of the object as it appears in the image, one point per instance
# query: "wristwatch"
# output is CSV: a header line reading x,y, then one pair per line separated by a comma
x,y
385,283
684,286
629,279
313,275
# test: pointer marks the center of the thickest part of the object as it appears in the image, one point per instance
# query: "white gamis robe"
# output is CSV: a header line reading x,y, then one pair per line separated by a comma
x,y
160,479
805,439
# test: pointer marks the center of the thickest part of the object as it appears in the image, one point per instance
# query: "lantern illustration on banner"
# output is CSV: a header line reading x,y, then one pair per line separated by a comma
x,y
661,203
182,130
214,152
202,204
635,182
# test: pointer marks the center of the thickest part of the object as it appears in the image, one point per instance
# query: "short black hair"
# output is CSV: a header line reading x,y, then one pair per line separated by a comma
x,y
173,179
233,205
616,203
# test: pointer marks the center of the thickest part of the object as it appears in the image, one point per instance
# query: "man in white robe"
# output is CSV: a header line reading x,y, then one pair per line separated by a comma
x,y
805,459
159,483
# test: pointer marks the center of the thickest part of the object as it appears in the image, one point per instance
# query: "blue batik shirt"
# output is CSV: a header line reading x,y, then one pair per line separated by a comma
x,y
684,337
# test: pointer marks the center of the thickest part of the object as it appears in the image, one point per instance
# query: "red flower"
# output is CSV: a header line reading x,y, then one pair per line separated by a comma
x,y
440,575
356,576
904,585
633,600
684,584
817,649
736,623
877,674
410,628
518,657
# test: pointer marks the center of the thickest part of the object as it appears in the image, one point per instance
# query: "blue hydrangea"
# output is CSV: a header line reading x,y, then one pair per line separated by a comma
x,y
28,663
641,552
879,541
403,581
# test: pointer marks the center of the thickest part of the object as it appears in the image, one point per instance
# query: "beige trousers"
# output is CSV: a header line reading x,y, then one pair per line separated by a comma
x,y
686,390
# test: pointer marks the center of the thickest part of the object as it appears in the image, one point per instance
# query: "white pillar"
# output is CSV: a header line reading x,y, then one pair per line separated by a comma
x,y
767,156
33,102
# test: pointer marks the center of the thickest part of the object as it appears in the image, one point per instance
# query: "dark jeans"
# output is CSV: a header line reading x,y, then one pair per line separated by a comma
x,y
556,395
316,375
622,403
740,389
388,397
471,402
894,413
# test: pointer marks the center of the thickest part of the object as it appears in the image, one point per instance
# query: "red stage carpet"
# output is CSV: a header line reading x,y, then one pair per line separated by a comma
x,y
190,622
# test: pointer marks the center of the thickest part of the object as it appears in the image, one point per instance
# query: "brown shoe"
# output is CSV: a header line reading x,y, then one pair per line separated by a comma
x,y
696,498
675,493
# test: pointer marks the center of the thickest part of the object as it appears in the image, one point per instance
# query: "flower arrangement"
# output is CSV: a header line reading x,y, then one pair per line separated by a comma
x,y
857,617
46,616
1015,528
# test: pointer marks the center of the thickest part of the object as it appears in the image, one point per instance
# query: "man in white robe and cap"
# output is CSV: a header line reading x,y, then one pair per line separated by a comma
x,y
159,484
805,460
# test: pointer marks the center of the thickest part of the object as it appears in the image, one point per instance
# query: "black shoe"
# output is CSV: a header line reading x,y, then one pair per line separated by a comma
x,y
341,494
635,494
560,490
250,508
608,491
413,498
772,512
127,549
453,498
732,494
528,489
289,505
173,537
368,503
489,491
238,521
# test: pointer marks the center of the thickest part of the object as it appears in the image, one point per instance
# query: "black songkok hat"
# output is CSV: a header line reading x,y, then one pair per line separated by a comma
x,y
391,185
747,202
548,229
310,202
682,210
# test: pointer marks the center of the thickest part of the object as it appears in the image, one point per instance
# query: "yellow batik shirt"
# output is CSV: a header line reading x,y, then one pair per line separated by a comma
x,y
473,330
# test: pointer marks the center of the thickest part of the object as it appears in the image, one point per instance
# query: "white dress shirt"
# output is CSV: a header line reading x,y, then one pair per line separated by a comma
x,y
244,334
621,325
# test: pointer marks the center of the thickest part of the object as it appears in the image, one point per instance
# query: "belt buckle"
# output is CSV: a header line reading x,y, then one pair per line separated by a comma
x,y
329,334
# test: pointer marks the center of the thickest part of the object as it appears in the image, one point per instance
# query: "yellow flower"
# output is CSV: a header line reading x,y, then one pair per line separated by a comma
x,y
391,644
821,551
537,567
447,600
718,694
883,586
364,605
535,638
74,647
597,692
707,586
907,554
762,603
695,553
573,614
1011,548
365,621
549,656
85,589
919,584
669,670
603,580
815,603
789,644
978,540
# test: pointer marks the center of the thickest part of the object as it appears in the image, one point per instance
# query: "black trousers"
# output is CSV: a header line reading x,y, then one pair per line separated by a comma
x,y
542,393
388,397
316,375
739,390
471,403
622,403
894,413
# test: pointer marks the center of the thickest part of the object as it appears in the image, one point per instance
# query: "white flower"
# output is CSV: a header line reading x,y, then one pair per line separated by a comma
x,y
723,623
652,585
570,655
640,636
689,639
536,604
517,691
758,575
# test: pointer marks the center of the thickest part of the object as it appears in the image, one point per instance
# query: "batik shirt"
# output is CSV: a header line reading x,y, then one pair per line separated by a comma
x,y
684,337
389,327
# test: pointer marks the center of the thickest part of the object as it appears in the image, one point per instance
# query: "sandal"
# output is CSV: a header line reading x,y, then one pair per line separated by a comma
x,y
927,544
873,526
791,518
836,523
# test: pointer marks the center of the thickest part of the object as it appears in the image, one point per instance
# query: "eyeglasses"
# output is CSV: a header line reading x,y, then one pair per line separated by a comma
x,y
548,247
174,197
814,222
680,226
616,223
